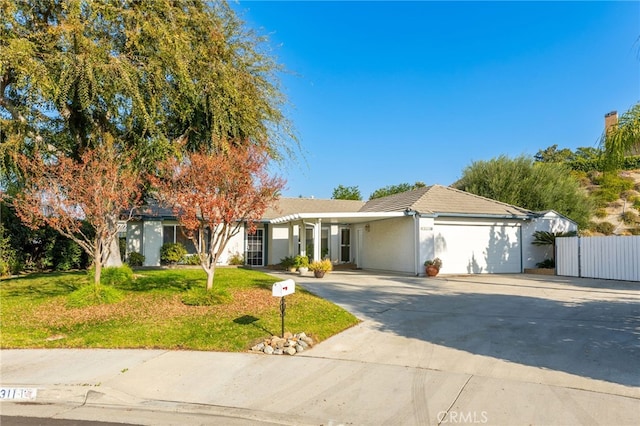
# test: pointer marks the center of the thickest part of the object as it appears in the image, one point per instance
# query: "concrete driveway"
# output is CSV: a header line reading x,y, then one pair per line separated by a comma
x,y
494,349
533,349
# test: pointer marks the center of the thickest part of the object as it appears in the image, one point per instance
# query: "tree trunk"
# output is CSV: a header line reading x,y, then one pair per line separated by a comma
x,y
210,274
97,263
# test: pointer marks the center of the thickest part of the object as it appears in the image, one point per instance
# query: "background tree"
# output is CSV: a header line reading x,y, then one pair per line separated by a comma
x,y
346,193
215,194
624,139
534,186
553,155
395,189
65,194
141,76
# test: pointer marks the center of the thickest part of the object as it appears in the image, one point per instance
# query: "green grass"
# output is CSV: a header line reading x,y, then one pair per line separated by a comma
x,y
35,312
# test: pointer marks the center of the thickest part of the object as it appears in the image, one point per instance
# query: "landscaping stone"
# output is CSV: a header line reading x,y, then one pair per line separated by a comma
x,y
290,345
290,350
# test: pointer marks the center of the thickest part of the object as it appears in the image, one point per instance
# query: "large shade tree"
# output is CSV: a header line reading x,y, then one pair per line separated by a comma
x,y
152,78
532,185
216,194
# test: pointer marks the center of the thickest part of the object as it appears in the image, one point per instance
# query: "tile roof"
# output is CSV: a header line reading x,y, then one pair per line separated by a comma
x,y
443,200
288,206
435,199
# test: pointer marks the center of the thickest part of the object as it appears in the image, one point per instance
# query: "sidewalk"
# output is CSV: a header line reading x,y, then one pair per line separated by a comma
x,y
368,375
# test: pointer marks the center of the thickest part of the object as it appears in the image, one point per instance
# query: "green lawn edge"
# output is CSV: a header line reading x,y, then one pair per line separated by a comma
x,y
35,312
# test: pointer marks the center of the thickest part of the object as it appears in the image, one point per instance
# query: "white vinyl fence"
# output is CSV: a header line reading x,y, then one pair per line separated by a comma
x,y
613,258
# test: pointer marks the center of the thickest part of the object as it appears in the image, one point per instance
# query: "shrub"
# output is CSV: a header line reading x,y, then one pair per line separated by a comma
x,y
135,259
605,228
635,231
191,259
288,262
614,182
605,195
629,217
547,264
236,259
301,261
321,265
67,254
89,295
8,258
601,213
113,276
172,253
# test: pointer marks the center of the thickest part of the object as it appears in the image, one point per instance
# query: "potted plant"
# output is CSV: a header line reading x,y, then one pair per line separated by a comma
x,y
302,263
432,266
321,267
289,263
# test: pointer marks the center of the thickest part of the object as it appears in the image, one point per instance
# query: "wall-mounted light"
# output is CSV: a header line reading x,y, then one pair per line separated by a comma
x,y
367,227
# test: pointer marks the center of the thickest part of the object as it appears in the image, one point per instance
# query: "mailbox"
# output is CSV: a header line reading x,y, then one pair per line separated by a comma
x,y
283,288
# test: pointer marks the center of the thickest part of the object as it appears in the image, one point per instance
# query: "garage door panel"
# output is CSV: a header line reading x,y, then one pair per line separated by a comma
x,y
478,249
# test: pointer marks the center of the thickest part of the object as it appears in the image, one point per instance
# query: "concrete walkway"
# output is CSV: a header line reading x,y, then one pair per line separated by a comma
x,y
494,349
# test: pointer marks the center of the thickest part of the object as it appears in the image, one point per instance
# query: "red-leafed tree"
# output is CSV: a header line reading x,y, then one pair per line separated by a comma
x,y
65,193
215,194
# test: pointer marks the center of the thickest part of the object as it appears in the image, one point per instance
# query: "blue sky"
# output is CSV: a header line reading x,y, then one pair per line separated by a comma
x,y
383,93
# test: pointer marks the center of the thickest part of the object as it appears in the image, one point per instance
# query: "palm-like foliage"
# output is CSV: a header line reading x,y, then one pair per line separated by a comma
x,y
624,139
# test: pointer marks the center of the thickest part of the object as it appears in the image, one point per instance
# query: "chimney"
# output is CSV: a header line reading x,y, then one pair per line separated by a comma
x,y
610,121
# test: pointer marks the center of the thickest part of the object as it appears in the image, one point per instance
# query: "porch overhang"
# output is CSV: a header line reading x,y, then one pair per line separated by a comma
x,y
344,218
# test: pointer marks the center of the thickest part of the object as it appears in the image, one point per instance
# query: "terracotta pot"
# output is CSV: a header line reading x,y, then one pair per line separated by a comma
x,y
318,274
431,271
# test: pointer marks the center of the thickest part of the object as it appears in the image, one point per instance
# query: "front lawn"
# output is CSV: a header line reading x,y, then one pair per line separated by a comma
x,y
35,312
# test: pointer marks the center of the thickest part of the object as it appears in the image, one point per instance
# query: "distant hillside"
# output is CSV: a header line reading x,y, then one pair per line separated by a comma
x,y
619,203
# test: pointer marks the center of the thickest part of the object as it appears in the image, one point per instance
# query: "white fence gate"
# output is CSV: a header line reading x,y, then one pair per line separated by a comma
x,y
613,258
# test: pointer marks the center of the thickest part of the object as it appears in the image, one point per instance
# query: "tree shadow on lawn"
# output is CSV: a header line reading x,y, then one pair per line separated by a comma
x,y
599,339
48,284
167,281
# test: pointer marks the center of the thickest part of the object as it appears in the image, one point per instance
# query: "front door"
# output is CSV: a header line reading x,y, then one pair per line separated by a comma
x,y
255,248
345,245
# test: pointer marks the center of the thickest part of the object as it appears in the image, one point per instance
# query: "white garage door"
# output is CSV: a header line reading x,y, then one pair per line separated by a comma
x,y
478,249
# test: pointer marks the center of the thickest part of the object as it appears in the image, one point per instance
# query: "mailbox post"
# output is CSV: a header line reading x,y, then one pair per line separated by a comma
x,y
281,289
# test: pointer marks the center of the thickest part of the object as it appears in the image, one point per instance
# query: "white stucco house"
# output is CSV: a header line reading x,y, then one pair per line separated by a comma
x,y
471,234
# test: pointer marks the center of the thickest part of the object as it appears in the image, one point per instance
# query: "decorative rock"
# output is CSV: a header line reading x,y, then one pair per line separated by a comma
x,y
259,347
291,345
290,350
287,335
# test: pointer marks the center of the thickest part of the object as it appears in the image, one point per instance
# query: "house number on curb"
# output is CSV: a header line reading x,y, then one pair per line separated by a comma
x,y
18,393
281,289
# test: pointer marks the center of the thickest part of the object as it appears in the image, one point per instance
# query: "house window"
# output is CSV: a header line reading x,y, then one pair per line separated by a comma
x,y
255,248
324,243
176,234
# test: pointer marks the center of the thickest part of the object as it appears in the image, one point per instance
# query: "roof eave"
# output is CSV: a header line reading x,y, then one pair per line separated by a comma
x,y
345,216
483,215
